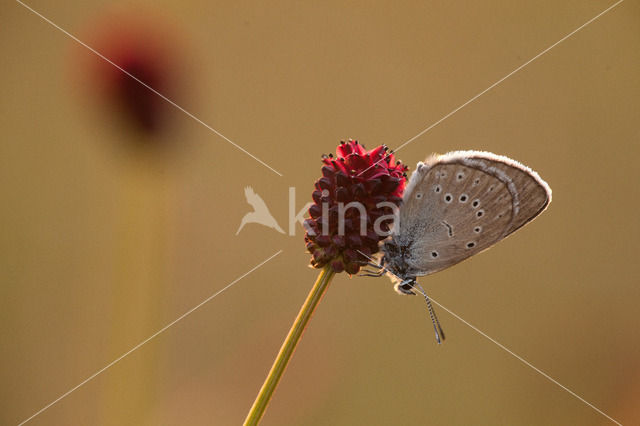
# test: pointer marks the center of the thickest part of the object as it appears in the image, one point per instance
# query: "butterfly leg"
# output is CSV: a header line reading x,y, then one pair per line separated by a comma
x,y
379,269
368,273
378,272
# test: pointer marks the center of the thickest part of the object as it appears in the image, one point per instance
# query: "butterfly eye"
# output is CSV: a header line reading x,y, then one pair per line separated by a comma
x,y
448,198
480,213
477,229
471,244
460,176
437,188
463,198
434,254
475,203
419,195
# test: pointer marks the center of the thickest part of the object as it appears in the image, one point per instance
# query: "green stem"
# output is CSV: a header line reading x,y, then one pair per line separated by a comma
x,y
289,346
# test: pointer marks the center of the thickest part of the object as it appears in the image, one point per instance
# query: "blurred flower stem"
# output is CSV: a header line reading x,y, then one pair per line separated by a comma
x,y
137,294
289,346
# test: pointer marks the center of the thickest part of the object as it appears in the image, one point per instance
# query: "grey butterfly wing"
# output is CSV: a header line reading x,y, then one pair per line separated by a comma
x,y
463,202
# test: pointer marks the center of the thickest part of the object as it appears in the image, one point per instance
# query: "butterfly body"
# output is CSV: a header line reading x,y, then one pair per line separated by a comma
x,y
457,205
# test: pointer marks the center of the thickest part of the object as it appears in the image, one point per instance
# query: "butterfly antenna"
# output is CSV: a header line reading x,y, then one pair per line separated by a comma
x,y
434,319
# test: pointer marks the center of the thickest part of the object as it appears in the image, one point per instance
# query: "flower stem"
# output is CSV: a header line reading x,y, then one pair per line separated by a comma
x,y
289,346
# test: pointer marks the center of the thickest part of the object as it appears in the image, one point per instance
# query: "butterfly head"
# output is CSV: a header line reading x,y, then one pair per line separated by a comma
x,y
405,287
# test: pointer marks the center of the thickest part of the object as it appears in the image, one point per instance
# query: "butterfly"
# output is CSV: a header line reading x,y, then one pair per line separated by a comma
x,y
455,206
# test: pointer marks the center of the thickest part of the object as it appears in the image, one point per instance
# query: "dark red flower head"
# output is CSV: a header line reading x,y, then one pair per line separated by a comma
x,y
352,187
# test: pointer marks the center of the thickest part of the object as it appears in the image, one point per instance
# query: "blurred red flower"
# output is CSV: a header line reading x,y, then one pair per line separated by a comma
x,y
145,48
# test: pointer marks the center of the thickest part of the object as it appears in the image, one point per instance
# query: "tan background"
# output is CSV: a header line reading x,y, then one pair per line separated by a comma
x,y
99,248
